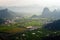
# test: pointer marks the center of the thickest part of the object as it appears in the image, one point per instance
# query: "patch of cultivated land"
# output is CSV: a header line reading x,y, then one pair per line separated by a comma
x,y
16,30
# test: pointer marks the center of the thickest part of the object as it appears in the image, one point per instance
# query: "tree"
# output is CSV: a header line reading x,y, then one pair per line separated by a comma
x,y
2,21
53,26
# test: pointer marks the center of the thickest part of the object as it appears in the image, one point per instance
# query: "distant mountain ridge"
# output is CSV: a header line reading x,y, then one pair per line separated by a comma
x,y
27,11
5,13
48,14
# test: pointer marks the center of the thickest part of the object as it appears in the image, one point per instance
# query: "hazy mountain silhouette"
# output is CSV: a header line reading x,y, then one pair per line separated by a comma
x,y
34,16
48,14
5,13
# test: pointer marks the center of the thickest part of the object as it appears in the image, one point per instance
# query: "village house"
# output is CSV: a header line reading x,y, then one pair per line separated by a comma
x,y
32,27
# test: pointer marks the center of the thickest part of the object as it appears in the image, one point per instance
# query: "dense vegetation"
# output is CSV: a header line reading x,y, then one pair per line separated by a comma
x,y
18,30
53,26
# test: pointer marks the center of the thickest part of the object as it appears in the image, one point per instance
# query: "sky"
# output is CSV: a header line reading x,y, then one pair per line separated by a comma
x,y
51,4
42,3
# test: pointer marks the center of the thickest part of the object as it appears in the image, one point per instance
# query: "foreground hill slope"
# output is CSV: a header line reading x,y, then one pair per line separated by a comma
x,y
53,26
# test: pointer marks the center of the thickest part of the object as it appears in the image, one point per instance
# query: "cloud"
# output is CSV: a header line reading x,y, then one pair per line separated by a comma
x,y
30,2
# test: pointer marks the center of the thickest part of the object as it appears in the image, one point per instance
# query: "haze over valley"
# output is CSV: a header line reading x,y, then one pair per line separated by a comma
x,y
29,19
